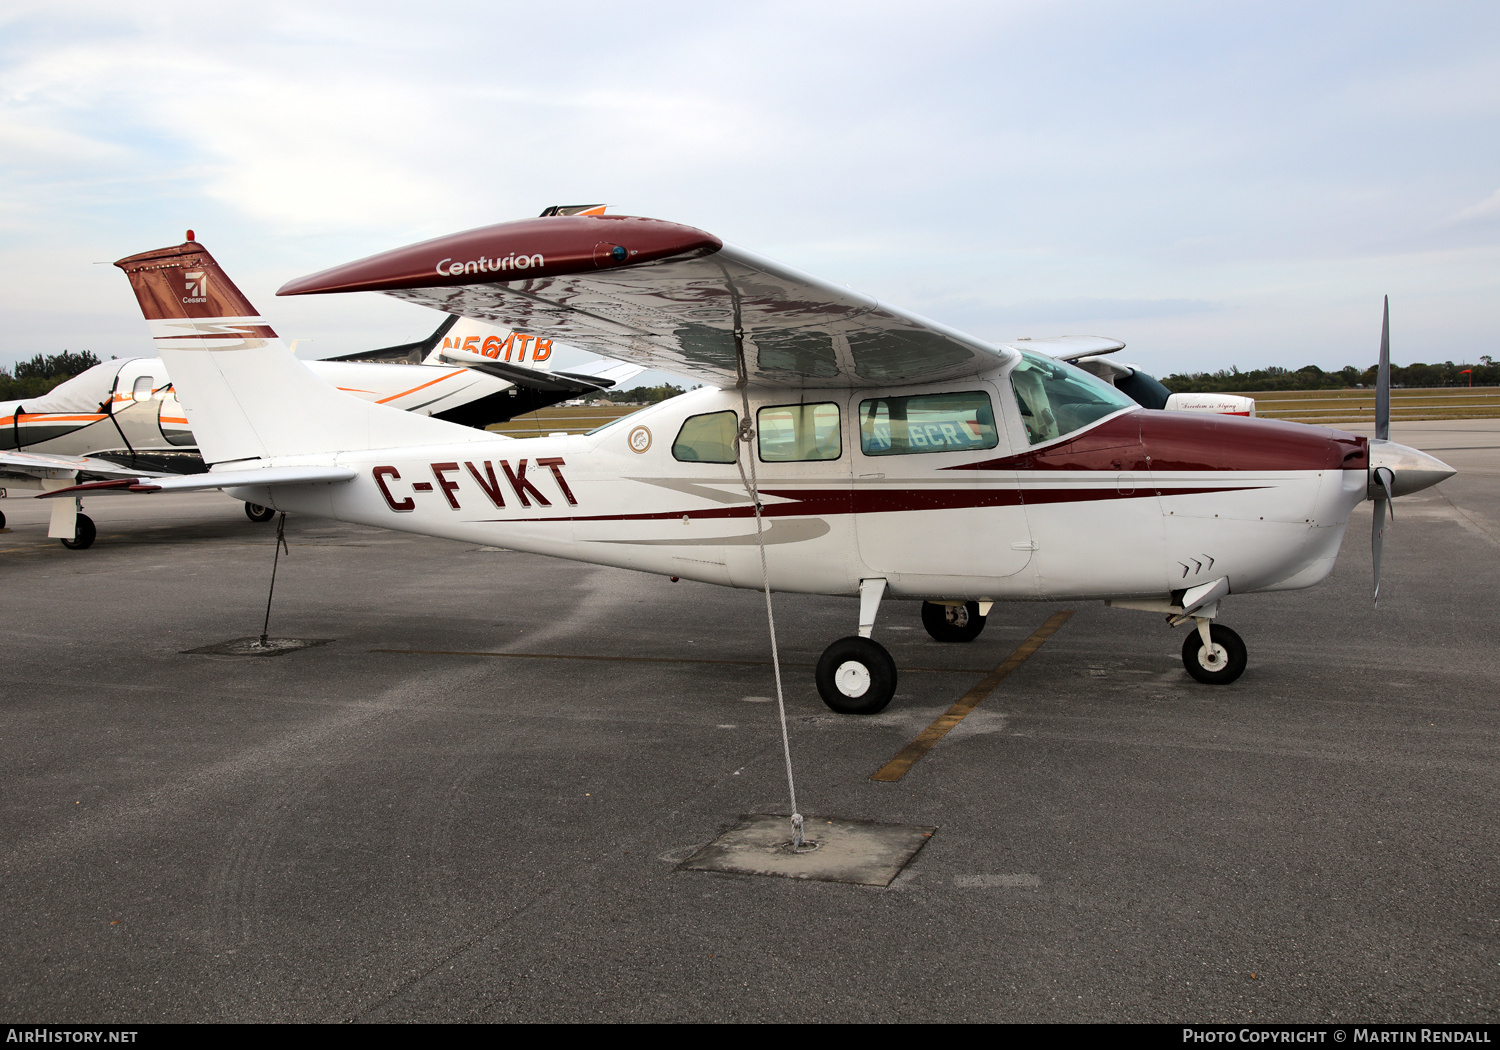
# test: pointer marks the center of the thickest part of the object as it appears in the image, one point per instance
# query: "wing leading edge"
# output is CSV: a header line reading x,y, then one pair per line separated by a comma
x,y
668,297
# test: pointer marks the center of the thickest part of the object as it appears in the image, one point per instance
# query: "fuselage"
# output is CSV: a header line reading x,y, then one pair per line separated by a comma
x,y
947,491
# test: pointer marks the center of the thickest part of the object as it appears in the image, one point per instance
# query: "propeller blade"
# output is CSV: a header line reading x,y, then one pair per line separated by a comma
x,y
1386,477
1377,537
1383,378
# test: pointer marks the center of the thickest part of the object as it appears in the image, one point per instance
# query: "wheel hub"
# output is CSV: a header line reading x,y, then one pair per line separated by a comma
x,y
852,678
1215,658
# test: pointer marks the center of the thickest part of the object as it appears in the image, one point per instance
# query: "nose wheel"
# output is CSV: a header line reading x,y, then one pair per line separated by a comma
x,y
1217,664
856,676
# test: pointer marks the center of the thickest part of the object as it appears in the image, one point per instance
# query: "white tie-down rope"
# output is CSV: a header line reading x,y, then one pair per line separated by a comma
x,y
746,435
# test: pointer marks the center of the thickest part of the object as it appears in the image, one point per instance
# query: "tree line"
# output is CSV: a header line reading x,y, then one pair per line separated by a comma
x,y
1311,377
648,395
35,377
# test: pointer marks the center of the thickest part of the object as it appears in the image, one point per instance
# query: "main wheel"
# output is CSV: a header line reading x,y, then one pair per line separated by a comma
x,y
952,623
856,676
2,519
1217,666
83,534
255,512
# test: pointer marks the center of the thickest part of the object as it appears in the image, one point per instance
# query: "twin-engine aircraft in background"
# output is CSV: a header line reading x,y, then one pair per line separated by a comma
x,y
123,418
843,446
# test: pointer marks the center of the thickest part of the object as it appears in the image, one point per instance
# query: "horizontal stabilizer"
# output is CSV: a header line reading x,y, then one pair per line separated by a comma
x,y
40,462
219,479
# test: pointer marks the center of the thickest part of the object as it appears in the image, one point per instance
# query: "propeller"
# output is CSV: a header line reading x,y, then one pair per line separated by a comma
x,y
1395,470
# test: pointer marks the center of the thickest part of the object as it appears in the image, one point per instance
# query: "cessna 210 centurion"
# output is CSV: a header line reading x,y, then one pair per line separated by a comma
x,y
843,447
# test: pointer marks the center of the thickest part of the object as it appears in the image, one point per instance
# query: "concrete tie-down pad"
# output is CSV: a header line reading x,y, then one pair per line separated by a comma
x,y
861,852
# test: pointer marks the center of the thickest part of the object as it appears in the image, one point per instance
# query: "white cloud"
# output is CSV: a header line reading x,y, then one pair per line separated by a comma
x,y
987,164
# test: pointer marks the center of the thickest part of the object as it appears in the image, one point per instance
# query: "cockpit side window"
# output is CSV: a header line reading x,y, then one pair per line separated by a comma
x,y
1057,399
707,438
901,426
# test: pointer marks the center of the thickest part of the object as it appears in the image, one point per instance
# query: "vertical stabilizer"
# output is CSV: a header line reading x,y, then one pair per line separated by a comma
x,y
246,396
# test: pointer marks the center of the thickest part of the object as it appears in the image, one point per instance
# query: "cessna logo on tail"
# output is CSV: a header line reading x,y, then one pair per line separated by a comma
x,y
196,286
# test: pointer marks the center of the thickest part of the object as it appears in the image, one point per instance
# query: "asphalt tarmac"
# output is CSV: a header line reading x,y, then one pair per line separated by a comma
x,y
377,829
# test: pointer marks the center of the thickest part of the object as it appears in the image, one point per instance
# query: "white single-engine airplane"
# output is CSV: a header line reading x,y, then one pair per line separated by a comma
x,y
891,456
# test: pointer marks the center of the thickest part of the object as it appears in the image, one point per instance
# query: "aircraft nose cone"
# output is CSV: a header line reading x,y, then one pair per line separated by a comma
x,y
1411,469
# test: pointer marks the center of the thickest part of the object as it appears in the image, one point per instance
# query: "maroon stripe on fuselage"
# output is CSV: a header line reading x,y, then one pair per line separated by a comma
x,y
1148,440
821,502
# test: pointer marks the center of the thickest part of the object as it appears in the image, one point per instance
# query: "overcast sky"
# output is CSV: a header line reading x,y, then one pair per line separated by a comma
x,y
1217,184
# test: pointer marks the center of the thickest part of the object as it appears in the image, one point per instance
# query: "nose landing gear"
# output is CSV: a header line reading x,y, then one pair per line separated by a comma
x,y
1218,662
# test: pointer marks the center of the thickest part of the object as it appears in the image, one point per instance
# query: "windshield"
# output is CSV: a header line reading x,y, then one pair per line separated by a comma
x,y
1057,399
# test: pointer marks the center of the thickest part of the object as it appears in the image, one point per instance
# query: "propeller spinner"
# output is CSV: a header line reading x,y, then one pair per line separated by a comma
x,y
1395,470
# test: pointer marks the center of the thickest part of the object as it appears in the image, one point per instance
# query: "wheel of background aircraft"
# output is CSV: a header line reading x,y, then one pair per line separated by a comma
x,y
952,623
1221,666
255,512
856,676
83,534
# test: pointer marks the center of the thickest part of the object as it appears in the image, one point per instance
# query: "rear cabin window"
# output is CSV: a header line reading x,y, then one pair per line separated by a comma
x,y
707,439
900,426
799,433
1057,399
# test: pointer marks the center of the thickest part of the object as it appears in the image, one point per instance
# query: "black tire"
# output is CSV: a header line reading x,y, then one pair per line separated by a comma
x,y
1233,656
83,534
856,676
2,519
952,623
255,512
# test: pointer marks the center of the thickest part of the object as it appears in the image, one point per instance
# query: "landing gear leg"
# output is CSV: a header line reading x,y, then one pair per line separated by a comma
x,y
855,675
1213,654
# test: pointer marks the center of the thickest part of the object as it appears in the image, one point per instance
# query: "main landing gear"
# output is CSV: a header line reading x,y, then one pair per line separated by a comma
x,y
953,623
255,512
855,675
